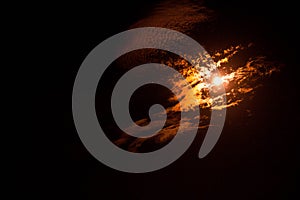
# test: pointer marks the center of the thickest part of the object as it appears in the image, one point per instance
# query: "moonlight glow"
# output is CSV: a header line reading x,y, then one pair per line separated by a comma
x,y
217,81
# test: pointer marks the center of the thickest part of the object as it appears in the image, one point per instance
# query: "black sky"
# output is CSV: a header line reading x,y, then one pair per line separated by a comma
x,y
255,158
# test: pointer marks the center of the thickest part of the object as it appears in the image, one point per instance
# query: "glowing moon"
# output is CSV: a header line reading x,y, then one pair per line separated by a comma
x,y
217,81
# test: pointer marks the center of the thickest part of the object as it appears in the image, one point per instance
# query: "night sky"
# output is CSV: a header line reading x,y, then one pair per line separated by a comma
x,y
257,154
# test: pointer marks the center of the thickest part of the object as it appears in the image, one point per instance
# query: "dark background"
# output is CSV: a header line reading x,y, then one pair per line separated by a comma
x,y
255,158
